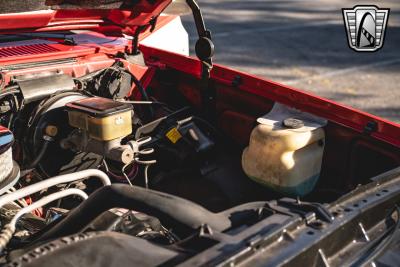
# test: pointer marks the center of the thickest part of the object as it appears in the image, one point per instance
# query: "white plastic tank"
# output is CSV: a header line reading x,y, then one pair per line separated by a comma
x,y
285,151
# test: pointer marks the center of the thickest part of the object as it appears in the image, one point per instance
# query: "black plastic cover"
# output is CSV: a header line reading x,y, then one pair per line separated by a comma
x,y
97,249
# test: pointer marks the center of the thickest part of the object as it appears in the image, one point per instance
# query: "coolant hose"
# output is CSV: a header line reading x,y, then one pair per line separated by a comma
x,y
168,208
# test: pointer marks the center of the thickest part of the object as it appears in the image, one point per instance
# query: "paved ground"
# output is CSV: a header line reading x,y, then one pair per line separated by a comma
x,y
303,44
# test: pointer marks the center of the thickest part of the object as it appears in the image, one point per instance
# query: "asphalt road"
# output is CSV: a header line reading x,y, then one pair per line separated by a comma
x,y
303,44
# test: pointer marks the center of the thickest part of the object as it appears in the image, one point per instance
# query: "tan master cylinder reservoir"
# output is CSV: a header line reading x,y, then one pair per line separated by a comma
x,y
285,151
103,119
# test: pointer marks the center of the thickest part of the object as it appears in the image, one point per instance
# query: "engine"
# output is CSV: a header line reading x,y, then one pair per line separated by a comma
x,y
94,169
97,158
87,132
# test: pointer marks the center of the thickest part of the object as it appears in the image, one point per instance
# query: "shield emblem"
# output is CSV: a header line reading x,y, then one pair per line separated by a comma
x,y
365,27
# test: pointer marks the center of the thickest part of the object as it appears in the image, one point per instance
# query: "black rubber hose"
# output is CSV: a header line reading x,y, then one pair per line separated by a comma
x,y
143,93
40,155
167,208
140,87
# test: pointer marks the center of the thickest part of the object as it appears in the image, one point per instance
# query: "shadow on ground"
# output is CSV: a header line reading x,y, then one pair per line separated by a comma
x,y
299,42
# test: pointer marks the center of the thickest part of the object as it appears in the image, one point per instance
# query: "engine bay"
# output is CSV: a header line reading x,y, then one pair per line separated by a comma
x,y
100,157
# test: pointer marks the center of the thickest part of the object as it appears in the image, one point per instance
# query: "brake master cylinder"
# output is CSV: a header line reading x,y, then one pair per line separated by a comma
x,y
101,124
285,151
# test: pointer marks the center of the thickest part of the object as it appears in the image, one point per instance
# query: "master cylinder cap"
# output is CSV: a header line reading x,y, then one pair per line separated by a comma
x,y
293,123
102,118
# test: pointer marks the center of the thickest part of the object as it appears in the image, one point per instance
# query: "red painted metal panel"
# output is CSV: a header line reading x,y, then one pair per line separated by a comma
x,y
24,50
94,43
140,14
357,120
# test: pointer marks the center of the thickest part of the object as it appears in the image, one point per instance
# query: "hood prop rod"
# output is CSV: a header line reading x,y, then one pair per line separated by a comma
x,y
204,51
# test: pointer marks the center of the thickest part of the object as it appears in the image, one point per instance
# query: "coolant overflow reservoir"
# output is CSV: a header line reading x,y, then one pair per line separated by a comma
x,y
285,151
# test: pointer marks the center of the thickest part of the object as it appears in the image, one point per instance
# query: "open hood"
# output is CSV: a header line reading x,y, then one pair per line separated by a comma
x,y
51,15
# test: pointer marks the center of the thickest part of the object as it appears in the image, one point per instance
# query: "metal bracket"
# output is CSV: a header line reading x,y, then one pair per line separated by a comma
x,y
303,208
237,81
153,23
371,127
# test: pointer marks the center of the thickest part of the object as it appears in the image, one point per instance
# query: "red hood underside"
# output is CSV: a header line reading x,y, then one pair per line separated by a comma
x,y
127,21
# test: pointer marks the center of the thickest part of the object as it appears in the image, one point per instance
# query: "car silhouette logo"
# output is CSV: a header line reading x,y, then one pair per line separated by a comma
x,y
365,27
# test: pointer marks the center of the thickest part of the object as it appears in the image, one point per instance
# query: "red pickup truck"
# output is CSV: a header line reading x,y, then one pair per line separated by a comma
x,y
118,149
